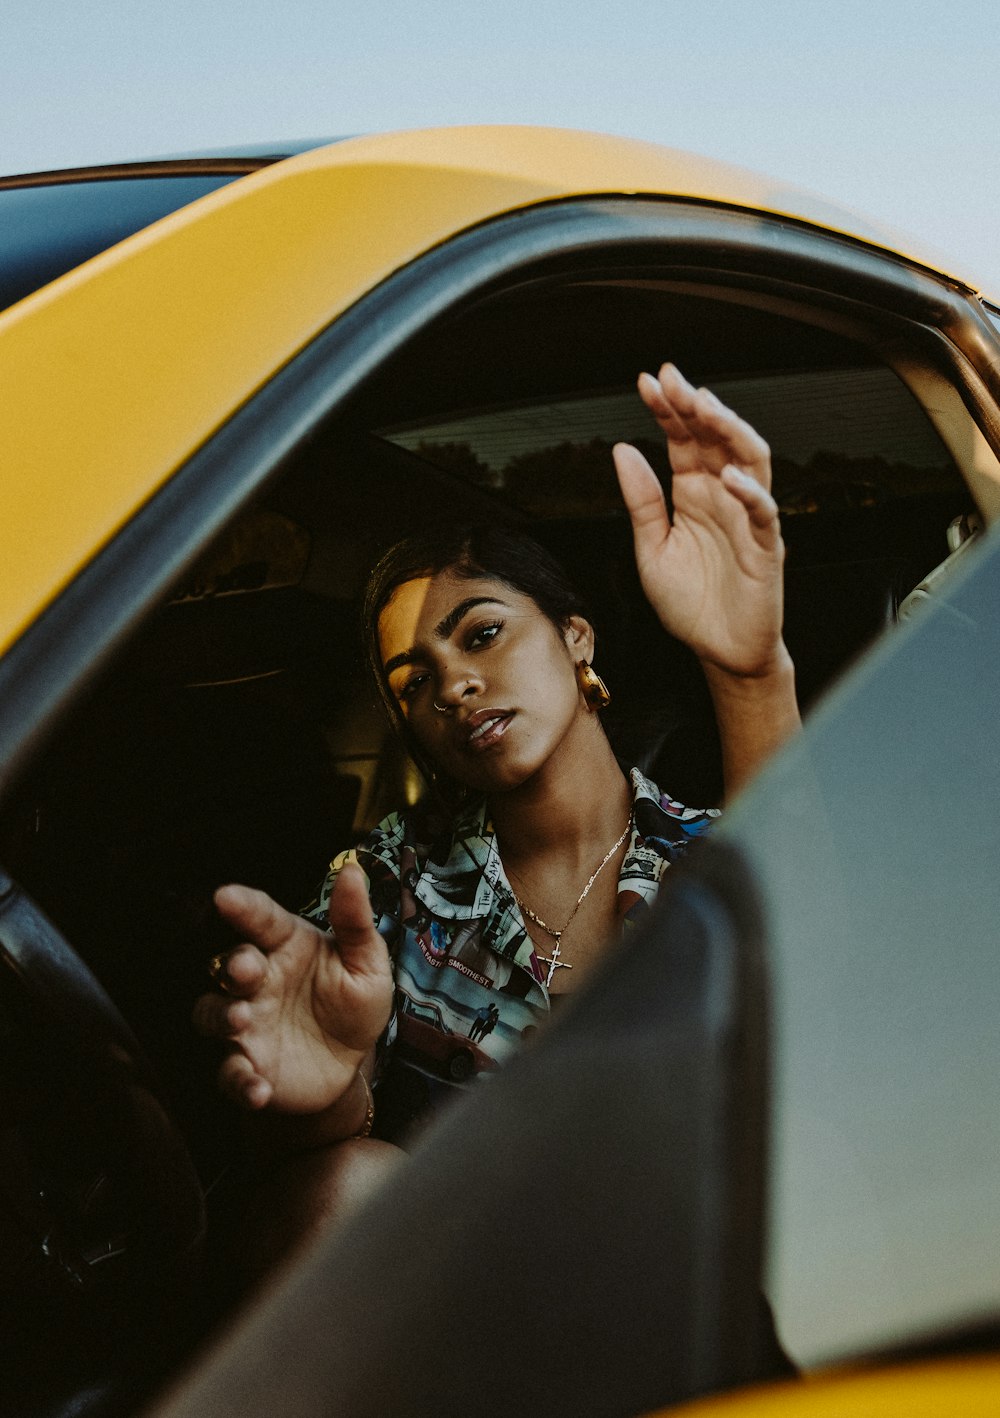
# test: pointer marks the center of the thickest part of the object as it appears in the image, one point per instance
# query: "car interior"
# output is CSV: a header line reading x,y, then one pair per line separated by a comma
x,y
236,736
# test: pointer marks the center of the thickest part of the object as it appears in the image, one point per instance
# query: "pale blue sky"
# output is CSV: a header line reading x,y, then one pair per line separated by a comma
x,y
890,108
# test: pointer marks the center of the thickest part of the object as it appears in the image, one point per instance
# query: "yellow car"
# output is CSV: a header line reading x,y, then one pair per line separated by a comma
x,y
258,377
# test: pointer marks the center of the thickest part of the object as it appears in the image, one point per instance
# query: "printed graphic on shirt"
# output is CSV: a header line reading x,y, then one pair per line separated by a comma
x,y
662,831
468,981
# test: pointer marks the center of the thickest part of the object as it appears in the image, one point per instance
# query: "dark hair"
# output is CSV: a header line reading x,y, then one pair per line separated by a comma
x,y
470,550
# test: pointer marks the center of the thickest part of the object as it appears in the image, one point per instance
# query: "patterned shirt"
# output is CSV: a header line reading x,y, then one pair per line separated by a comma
x,y
469,981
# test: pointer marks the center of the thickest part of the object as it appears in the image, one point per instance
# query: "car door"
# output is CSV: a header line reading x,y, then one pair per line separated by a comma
x,y
874,842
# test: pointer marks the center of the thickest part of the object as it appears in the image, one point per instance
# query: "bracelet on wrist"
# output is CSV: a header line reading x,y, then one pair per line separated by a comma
x,y
369,1122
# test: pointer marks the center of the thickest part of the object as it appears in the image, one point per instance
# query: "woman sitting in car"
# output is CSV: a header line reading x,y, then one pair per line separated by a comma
x,y
449,933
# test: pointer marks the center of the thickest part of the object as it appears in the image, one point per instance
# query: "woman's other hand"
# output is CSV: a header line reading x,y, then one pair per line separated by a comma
x,y
714,574
301,1009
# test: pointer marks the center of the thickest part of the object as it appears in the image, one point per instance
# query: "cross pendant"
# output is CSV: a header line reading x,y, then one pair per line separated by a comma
x,y
554,964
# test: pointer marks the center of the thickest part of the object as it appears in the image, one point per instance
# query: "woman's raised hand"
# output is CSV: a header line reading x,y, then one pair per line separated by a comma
x,y
714,573
301,1008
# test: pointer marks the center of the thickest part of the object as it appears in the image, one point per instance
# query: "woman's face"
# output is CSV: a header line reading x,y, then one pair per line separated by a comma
x,y
484,679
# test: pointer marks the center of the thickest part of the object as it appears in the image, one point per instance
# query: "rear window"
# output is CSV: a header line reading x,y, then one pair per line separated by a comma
x,y
841,438
47,230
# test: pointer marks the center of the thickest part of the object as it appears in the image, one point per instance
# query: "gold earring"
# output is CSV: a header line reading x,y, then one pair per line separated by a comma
x,y
592,687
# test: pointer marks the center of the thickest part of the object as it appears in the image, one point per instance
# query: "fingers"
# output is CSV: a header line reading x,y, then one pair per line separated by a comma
x,y
696,417
671,415
256,916
220,1017
241,1082
761,507
350,915
642,494
241,972
644,499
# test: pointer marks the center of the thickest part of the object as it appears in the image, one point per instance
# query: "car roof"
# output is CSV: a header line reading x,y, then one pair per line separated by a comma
x,y
682,173
271,151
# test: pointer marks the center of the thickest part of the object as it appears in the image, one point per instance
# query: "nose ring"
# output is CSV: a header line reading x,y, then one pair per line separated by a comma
x,y
443,708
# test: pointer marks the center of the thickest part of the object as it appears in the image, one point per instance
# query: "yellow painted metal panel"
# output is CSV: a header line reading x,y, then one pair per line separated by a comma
x,y
115,373
953,1388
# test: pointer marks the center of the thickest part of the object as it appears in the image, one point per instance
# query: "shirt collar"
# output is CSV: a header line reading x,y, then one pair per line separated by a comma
x,y
469,883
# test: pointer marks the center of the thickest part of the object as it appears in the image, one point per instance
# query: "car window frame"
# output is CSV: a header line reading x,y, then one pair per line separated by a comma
x,y
634,238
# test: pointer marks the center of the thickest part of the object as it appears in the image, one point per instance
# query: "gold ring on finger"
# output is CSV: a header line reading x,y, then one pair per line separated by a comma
x,y
217,970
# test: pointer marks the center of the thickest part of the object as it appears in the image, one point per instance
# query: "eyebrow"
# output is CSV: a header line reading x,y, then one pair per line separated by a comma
x,y
442,630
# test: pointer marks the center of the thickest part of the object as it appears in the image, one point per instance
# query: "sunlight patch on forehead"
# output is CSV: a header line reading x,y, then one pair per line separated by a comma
x,y
400,617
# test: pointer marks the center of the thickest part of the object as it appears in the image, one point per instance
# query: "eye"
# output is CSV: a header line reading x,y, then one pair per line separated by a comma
x,y
412,686
484,634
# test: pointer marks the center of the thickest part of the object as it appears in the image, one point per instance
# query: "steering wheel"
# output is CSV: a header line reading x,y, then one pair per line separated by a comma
x,y
101,1211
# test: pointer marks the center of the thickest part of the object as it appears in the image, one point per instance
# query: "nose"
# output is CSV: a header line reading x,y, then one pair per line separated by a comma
x,y
456,684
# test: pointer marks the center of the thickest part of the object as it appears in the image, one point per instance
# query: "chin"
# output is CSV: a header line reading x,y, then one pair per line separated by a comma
x,y
498,776
493,782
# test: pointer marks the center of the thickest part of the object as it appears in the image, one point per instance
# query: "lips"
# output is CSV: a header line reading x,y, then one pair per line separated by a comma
x,y
486,727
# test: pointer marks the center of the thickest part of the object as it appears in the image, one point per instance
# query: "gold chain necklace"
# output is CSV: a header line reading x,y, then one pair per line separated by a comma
x,y
553,961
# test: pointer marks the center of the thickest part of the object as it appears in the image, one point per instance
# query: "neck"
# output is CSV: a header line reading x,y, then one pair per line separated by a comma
x,y
549,812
